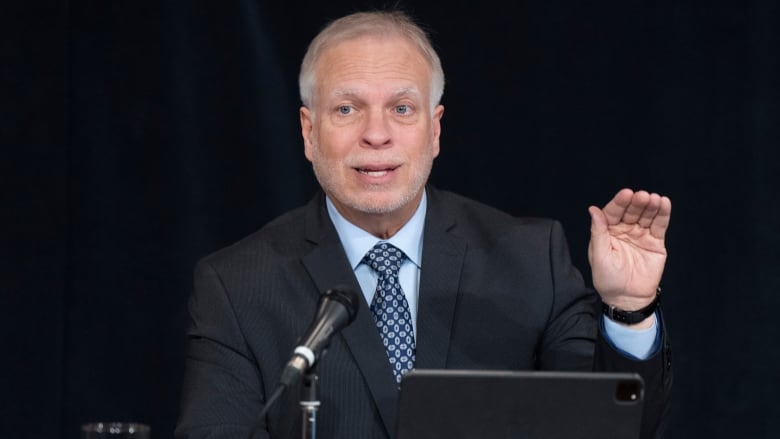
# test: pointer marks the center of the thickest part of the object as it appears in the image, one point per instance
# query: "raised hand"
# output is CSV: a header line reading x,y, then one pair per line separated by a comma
x,y
626,250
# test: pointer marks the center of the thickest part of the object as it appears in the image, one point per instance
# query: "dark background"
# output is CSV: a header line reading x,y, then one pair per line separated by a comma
x,y
140,136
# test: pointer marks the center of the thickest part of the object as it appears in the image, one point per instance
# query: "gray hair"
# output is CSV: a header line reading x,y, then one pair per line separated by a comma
x,y
377,24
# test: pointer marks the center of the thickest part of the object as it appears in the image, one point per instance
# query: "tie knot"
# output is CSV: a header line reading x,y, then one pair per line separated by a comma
x,y
385,259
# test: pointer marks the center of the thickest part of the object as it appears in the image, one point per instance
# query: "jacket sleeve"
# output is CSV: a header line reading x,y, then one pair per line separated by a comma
x,y
656,371
222,391
574,340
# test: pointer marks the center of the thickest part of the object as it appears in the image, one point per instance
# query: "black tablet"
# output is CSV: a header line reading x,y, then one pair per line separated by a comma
x,y
456,404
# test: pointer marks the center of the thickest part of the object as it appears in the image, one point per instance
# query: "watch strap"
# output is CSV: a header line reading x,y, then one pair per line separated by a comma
x,y
631,317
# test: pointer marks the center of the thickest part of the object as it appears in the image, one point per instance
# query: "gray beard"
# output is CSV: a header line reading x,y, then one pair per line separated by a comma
x,y
323,170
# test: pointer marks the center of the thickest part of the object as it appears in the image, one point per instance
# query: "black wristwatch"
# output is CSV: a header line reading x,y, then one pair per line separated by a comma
x,y
631,317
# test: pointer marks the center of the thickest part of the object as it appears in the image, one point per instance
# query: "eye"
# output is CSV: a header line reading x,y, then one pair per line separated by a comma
x,y
403,109
345,110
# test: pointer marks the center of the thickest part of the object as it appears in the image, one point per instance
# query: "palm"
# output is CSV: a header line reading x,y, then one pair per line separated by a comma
x,y
626,252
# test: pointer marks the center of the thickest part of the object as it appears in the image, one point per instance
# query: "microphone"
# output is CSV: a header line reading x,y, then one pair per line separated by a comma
x,y
336,309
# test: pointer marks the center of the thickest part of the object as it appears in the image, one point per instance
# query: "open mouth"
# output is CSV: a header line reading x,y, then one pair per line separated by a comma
x,y
377,171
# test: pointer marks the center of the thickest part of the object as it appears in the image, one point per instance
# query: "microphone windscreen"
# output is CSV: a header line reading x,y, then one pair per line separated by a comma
x,y
345,295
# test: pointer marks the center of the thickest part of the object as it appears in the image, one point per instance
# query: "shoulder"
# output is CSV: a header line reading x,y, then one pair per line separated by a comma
x,y
281,238
479,223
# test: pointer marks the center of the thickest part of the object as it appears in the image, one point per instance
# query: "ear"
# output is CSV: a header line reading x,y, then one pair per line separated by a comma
x,y
307,125
438,112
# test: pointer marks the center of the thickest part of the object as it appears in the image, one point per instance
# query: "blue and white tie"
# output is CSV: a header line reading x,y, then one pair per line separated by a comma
x,y
390,308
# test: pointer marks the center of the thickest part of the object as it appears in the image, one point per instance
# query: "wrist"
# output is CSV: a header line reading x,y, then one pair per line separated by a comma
x,y
635,317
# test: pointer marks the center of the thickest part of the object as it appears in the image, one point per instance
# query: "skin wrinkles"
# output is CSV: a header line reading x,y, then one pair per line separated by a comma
x,y
404,99
345,70
375,137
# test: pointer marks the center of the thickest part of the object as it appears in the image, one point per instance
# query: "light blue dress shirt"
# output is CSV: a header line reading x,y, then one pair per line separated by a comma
x,y
357,242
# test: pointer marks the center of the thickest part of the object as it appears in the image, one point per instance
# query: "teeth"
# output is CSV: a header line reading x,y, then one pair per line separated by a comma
x,y
374,173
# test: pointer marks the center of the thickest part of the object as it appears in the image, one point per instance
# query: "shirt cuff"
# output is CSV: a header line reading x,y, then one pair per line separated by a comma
x,y
639,344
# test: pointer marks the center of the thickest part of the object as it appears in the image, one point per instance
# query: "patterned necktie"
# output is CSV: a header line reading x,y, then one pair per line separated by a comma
x,y
390,308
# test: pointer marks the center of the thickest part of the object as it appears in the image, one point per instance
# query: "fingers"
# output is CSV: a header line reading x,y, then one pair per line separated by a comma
x,y
636,207
616,208
648,210
661,219
647,216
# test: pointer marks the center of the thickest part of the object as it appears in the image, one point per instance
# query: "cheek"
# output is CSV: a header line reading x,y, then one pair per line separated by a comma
x,y
426,143
336,142
435,147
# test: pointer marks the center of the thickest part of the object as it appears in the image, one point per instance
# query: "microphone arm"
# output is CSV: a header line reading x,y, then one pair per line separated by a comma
x,y
336,309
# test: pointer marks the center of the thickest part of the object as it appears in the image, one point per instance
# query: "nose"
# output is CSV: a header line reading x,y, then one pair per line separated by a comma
x,y
376,131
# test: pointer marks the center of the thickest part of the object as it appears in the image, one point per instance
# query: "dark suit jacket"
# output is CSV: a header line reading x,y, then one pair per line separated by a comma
x,y
496,292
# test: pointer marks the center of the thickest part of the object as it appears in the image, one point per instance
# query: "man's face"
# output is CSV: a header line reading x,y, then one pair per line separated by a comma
x,y
371,134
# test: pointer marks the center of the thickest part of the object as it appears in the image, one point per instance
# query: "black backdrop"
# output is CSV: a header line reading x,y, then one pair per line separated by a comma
x,y
139,136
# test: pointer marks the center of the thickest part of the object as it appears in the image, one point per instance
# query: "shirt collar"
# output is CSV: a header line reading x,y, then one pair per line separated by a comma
x,y
357,242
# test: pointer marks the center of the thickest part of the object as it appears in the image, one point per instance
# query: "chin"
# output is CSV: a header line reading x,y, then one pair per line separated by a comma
x,y
378,204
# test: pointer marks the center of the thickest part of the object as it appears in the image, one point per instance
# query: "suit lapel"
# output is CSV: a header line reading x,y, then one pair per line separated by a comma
x,y
442,262
328,266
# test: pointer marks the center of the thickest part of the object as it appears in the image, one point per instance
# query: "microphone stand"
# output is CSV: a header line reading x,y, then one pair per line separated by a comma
x,y
335,310
309,404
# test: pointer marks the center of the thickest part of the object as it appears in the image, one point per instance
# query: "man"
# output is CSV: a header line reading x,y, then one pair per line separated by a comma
x,y
470,287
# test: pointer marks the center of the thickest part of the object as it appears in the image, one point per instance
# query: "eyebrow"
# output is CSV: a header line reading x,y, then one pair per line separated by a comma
x,y
407,91
350,92
346,92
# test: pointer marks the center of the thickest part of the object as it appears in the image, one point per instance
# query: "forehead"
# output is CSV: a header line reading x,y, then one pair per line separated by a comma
x,y
367,64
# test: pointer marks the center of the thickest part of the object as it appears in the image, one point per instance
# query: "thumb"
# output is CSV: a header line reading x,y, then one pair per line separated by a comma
x,y
599,233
